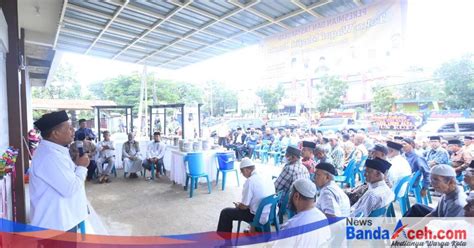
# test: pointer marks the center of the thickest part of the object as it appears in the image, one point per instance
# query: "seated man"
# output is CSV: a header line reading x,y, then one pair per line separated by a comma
x,y
238,143
106,155
303,194
154,155
308,156
321,155
132,163
291,172
89,148
453,200
255,189
400,167
379,194
332,201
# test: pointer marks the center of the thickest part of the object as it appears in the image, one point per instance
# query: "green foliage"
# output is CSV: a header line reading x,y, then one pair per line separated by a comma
x,y
458,76
219,98
63,85
271,97
331,93
383,99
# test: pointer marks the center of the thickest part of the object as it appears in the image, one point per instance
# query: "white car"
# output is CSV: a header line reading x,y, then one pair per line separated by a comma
x,y
447,129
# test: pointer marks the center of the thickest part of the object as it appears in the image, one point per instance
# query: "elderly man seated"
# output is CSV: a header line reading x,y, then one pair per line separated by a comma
x,y
302,197
255,189
379,194
453,200
132,163
106,155
332,200
154,155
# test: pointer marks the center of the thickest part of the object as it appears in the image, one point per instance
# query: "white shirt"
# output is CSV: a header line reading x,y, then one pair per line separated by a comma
x,y
57,194
400,168
333,201
317,238
255,189
155,150
107,153
377,196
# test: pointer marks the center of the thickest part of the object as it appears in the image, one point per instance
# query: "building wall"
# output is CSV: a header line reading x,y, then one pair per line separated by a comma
x,y
4,137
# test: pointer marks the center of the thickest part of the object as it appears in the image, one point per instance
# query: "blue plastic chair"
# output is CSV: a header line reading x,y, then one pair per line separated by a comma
x,y
283,207
82,228
402,200
262,152
195,170
272,218
225,163
152,170
96,172
348,176
360,169
275,152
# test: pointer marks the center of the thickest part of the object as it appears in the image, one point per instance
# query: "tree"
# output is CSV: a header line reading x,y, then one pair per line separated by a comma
x,y
271,97
458,76
219,99
383,99
62,86
421,89
332,91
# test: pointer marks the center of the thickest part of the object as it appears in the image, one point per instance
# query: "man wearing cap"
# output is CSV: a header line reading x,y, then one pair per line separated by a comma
x,y
89,148
400,167
453,200
154,155
460,158
106,150
332,201
347,146
57,194
132,163
337,153
321,155
255,189
308,156
291,172
87,132
301,201
379,194
417,163
437,154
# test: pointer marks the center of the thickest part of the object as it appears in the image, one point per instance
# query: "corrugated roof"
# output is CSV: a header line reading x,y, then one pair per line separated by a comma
x,y
59,104
173,34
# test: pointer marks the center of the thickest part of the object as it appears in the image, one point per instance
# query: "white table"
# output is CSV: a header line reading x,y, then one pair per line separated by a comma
x,y
178,169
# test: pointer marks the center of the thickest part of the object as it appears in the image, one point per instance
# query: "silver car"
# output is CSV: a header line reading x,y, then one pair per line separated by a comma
x,y
447,129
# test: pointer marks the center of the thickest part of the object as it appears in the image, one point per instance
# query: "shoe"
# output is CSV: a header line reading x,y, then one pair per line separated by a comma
x,y
133,175
107,180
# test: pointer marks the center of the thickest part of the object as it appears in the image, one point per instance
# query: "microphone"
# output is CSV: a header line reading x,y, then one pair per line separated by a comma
x,y
80,147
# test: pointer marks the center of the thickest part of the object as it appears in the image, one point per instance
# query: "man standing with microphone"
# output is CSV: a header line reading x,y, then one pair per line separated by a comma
x,y
57,194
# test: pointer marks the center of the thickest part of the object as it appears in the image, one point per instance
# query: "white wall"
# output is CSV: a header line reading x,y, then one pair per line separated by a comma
x,y
3,84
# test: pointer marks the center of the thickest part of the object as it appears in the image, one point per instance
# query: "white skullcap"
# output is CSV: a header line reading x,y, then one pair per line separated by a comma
x,y
305,187
443,170
246,162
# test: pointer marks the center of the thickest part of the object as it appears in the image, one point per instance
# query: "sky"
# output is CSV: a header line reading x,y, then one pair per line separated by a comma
x,y
437,31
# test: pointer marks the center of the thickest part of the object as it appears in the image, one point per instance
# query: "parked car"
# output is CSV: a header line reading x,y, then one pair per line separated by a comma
x,y
340,124
447,129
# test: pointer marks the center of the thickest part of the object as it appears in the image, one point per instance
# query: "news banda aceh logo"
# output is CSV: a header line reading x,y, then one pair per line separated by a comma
x,y
363,229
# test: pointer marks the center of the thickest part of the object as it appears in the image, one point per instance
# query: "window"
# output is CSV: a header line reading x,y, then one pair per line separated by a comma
x,y
448,128
466,127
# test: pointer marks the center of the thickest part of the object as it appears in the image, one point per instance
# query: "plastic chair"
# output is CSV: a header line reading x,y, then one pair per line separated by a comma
x,y
348,176
96,173
402,200
283,207
275,152
152,170
415,188
225,163
262,152
272,218
195,170
360,169
82,228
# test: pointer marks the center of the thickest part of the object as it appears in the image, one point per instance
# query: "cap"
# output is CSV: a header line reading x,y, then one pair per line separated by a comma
x,y
397,137
309,144
327,167
454,142
50,120
246,162
468,137
435,138
305,187
380,148
409,141
394,145
443,170
378,164
291,150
